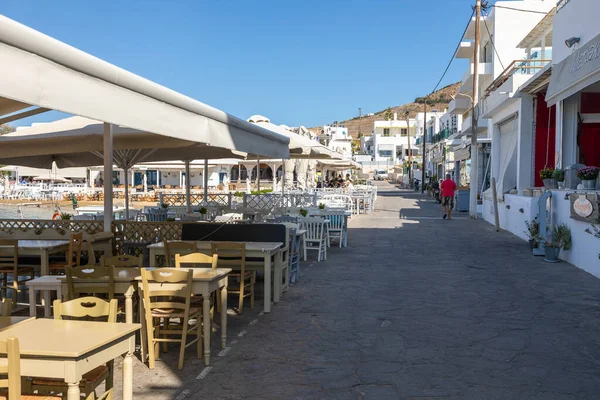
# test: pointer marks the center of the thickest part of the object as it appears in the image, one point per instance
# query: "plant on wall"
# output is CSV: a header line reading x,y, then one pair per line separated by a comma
x,y
546,173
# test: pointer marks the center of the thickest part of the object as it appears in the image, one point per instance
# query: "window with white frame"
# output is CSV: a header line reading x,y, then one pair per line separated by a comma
x,y
386,131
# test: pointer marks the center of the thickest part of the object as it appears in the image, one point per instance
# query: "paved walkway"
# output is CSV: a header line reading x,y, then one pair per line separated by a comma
x,y
416,308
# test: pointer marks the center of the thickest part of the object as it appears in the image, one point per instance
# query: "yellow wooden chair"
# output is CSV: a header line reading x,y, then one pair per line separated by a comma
x,y
196,260
12,368
167,295
122,261
77,285
233,255
83,308
5,308
73,256
9,266
176,247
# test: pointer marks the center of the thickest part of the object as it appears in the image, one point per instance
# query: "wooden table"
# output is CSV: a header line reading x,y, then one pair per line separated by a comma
x,y
263,250
45,285
64,349
6,322
43,249
204,282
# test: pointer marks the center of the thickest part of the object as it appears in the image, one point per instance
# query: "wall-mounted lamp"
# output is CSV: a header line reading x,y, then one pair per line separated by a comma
x,y
572,41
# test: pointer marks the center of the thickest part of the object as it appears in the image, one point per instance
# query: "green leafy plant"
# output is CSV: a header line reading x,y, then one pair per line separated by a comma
x,y
170,219
546,173
66,216
303,212
203,211
164,205
321,206
559,175
533,230
588,173
560,237
239,194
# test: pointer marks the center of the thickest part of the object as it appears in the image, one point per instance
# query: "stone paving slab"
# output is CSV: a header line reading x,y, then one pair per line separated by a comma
x,y
415,308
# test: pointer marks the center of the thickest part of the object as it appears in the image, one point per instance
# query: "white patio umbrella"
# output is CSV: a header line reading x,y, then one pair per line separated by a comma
x,y
78,142
301,147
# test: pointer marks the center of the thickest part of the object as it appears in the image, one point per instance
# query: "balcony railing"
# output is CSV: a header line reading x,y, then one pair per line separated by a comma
x,y
442,135
516,67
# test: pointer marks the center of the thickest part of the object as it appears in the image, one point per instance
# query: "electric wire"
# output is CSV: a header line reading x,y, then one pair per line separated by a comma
x,y
492,41
453,54
517,9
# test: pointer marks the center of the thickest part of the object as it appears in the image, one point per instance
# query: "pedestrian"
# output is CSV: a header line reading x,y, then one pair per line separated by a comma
x,y
447,196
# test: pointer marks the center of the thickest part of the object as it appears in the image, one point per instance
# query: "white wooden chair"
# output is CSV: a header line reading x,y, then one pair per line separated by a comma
x,y
315,238
337,226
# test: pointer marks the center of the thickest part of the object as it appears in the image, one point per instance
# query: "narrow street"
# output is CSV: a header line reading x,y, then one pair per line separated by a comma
x,y
415,308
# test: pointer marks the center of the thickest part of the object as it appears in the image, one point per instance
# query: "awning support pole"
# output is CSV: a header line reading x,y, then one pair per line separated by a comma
x,y
108,183
205,176
188,200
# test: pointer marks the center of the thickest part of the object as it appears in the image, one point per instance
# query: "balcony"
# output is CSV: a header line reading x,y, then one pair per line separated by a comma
x,y
467,80
467,128
459,105
465,50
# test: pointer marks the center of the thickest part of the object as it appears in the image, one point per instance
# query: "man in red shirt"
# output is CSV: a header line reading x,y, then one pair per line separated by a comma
x,y
447,194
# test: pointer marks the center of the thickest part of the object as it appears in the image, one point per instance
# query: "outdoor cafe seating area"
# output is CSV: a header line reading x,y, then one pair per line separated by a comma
x,y
154,285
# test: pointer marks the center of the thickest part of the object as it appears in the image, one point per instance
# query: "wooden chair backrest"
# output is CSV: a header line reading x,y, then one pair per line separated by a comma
x,y
231,254
86,308
122,261
76,277
12,368
6,308
315,227
75,246
167,288
177,247
9,254
196,260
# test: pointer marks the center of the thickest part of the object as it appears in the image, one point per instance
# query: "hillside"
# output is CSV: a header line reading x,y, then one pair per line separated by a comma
x,y
438,100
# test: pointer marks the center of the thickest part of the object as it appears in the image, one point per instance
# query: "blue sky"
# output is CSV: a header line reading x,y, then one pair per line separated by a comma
x,y
298,62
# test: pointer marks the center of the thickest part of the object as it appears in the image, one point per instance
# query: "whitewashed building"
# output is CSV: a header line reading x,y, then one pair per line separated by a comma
x,y
389,142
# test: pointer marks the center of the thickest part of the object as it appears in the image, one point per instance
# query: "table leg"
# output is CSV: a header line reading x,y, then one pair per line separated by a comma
x,y
224,315
152,255
47,310
73,392
206,326
267,283
59,292
44,263
144,332
128,376
304,246
32,310
278,276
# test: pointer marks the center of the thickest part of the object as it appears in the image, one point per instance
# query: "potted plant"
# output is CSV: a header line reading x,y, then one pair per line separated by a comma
x,y
321,206
203,211
65,216
533,232
303,212
559,238
588,176
546,175
164,205
559,176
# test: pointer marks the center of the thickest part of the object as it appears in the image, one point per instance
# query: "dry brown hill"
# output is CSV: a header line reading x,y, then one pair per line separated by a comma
x,y
437,100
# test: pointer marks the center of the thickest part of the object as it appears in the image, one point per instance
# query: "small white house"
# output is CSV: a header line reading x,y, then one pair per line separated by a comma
x,y
390,140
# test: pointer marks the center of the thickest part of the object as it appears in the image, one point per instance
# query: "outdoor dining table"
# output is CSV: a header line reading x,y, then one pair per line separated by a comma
x,y
6,322
262,250
43,249
205,281
66,349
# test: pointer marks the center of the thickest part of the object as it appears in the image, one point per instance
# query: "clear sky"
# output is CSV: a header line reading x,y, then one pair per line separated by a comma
x,y
297,62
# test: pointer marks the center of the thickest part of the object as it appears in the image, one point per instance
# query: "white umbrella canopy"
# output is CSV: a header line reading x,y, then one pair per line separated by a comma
x,y
300,146
77,142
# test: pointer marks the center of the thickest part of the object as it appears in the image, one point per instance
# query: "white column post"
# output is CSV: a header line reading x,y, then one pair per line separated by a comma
x,y
283,177
188,200
126,194
559,135
108,184
258,175
205,176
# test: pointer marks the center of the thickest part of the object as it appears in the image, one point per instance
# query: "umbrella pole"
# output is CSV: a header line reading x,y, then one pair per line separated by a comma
x,y
188,200
205,176
258,175
108,164
126,194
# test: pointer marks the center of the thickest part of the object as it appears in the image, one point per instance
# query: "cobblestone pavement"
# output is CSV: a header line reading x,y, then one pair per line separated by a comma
x,y
415,308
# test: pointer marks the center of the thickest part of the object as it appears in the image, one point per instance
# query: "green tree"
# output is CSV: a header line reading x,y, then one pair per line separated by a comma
x,y
388,114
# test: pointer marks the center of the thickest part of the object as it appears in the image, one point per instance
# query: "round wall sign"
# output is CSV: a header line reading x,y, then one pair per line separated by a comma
x,y
583,207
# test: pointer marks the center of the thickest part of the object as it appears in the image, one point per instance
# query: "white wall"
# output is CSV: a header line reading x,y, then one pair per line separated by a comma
x,y
579,18
511,219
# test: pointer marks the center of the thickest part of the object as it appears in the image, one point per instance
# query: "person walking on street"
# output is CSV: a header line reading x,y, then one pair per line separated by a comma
x,y
447,196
